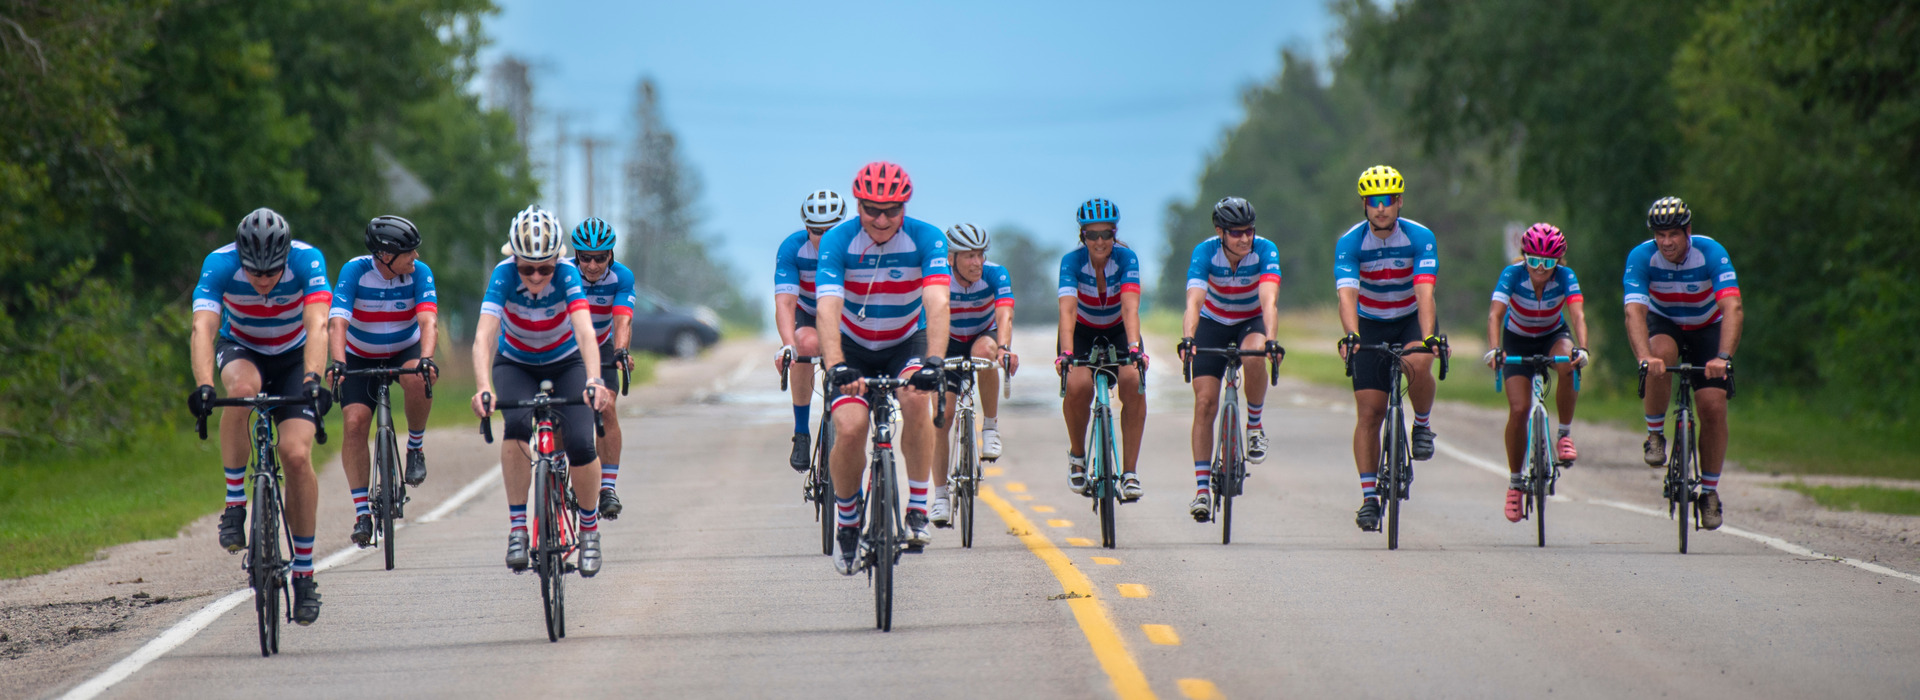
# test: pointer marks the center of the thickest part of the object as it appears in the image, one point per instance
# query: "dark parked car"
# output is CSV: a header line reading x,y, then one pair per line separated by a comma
x,y
671,329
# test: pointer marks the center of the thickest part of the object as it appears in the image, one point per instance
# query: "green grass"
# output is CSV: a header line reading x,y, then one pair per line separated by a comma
x,y
1872,499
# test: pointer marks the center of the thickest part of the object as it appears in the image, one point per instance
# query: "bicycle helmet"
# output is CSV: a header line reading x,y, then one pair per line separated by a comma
x,y
391,235
1098,211
882,181
593,234
534,236
823,209
1543,240
1667,213
263,240
1381,179
965,237
1232,212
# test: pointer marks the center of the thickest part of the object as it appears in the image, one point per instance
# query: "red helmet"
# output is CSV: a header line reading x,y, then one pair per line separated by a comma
x,y
882,181
1543,240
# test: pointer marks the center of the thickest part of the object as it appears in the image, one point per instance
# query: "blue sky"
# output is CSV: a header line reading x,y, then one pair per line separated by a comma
x,y
1003,112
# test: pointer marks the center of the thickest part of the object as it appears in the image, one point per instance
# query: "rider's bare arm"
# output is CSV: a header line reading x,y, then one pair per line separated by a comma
x,y
429,332
315,318
783,306
486,340
828,326
1496,317
1190,318
206,327
1577,314
1068,306
337,339
1270,308
1637,331
1349,313
1423,292
1130,315
1733,316
934,299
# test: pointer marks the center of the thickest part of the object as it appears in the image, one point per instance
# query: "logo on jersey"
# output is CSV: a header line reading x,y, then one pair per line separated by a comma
x,y
896,274
1726,276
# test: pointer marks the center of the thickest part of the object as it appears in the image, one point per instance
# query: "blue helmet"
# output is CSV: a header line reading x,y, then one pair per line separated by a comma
x,y
1098,211
593,234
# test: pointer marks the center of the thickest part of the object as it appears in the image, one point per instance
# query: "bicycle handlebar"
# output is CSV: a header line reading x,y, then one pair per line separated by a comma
x,y
1688,369
1401,351
388,373
1538,361
1102,357
1273,368
262,402
626,373
788,360
541,400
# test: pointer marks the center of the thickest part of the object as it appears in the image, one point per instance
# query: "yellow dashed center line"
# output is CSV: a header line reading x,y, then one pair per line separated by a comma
x,y
1106,561
1023,497
1197,689
1080,542
1059,523
994,471
1162,635
1128,681
1043,509
1132,590
1016,487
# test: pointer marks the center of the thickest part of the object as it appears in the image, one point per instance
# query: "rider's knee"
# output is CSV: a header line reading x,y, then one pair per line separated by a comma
x,y
806,342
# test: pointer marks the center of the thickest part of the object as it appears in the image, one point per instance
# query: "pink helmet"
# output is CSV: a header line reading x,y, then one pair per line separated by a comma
x,y
1543,240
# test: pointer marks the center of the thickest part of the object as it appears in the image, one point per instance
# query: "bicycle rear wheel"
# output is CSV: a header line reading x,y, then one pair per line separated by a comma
x,y
1541,473
387,483
1390,477
823,483
969,478
886,543
1681,459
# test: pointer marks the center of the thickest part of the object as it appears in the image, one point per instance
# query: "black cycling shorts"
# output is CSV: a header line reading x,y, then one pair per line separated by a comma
x,y
359,390
802,319
1371,368
609,370
1213,334
513,381
1085,337
963,347
1512,343
1697,346
895,361
284,374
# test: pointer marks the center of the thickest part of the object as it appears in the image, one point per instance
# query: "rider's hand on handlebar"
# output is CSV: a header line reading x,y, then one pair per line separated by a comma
x,y
334,370
624,359
1060,363
927,378
322,398
1655,366
1010,361
431,370
1580,358
597,395
1274,349
483,402
200,401
1185,349
1434,342
1347,344
1717,368
1492,359
1137,356
782,359
841,376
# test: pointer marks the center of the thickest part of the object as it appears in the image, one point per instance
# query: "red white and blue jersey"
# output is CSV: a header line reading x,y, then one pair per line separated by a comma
x,y
795,267
1385,269
535,329
383,315
973,305
270,323
1233,290
1099,303
1687,293
1536,313
607,297
881,282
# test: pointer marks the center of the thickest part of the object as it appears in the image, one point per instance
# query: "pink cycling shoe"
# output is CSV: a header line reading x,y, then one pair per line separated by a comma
x,y
1565,449
1515,510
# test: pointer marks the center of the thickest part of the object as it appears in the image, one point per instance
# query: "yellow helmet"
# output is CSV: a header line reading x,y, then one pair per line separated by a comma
x,y
1381,179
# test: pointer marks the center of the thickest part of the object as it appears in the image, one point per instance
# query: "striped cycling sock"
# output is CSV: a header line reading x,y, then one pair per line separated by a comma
x,y
1202,475
302,557
1420,419
1369,485
1656,422
360,506
846,511
589,520
1566,429
608,473
1709,483
917,495
1253,415
415,438
516,517
236,486
801,412
990,423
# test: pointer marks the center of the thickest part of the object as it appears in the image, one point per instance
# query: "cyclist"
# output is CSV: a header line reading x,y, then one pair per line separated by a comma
x,y
608,286
1537,310
981,308
1688,284
1233,283
794,309
385,314
882,304
1100,305
1384,270
260,299
532,320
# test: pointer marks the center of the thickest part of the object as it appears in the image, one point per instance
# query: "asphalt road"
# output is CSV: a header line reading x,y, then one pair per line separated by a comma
x,y
714,587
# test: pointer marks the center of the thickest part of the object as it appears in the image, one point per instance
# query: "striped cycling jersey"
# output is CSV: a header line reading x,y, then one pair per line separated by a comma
x,y
1233,290
1535,313
270,323
973,305
534,329
795,267
383,315
1099,303
1385,269
607,297
880,282
1687,293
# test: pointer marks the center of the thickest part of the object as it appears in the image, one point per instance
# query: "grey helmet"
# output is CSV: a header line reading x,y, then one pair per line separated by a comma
x,y
263,240
1232,212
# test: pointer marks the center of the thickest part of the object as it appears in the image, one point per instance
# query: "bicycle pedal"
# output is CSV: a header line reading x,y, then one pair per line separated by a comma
x,y
912,549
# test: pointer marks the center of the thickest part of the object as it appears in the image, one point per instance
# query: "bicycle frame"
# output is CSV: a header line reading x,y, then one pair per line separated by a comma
x,y
881,538
1540,467
1229,472
1682,483
386,488
267,570
1103,445
963,454
1395,473
556,519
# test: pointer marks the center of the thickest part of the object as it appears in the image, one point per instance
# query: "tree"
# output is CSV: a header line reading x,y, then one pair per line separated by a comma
x,y
1035,271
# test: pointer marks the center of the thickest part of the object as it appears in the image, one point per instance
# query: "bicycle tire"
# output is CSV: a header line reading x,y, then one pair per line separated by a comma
x,y
823,484
970,475
1682,453
1541,473
886,545
387,485
544,542
1396,455
1231,467
262,561
1109,477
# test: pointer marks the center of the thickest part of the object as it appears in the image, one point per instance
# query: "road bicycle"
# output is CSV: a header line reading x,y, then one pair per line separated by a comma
x,y
267,568
1395,475
1229,472
1542,468
818,488
882,534
1682,485
556,515
388,490
963,452
1103,444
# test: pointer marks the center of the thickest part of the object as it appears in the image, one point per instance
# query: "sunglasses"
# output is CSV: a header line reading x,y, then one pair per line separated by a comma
x,y
1377,201
1098,235
1240,232
531,270
275,272
813,231
882,212
1539,263
600,259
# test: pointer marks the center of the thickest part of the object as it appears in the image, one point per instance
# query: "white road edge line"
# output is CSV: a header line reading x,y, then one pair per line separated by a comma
x,y
185,629
1765,539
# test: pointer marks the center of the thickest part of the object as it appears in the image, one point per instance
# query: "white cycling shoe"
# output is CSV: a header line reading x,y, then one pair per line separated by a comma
x,y
940,511
990,444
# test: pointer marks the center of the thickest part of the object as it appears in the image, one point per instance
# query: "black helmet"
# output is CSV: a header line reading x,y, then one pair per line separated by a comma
x,y
1232,212
391,235
1668,213
263,240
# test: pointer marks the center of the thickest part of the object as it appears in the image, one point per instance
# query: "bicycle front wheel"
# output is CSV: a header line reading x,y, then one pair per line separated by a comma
x,y
263,561
969,480
1232,466
1107,473
1541,472
1682,465
1390,477
884,525
823,483
386,483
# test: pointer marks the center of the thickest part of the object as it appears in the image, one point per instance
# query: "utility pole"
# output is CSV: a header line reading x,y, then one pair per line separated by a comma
x,y
587,146
560,166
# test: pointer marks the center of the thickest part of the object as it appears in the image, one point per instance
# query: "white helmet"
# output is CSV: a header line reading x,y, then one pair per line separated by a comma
x,y
823,208
965,237
534,235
